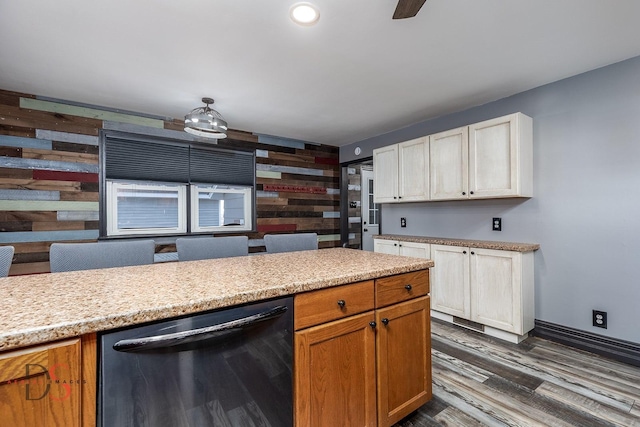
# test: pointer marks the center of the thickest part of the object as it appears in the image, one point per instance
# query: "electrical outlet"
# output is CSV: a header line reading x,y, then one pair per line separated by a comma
x,y
403,222
600,319
497,224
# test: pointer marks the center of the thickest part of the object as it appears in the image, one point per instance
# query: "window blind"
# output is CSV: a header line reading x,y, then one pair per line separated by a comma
x,y
143,160
146,161
221,167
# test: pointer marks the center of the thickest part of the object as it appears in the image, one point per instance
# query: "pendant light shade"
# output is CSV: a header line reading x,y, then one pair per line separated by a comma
x,y
205,122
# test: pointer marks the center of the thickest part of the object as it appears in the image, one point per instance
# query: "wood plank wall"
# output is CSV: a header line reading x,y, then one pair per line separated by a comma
x,y
49,179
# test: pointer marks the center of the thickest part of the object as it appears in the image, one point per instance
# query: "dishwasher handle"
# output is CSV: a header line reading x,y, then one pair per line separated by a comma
x,y
195,335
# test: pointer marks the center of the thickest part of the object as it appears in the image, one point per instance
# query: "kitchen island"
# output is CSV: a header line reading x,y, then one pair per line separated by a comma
x,y
43,309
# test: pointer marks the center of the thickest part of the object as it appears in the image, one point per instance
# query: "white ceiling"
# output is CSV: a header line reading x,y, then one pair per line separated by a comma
x,y
354,75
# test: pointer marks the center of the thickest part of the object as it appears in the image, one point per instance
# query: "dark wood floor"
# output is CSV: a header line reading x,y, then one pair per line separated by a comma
x,y
481,381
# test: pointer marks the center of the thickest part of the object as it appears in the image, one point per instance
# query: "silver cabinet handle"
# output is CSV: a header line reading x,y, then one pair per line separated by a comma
x,y
194,335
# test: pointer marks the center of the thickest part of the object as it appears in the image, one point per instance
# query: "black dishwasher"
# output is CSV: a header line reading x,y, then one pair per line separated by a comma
x,y
229,367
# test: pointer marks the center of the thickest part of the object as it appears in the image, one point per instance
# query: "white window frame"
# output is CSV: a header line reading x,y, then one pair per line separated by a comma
x,y
112,207
247,191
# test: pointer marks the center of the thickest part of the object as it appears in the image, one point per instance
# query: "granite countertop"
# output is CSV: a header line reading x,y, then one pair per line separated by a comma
x,y
481,244
46,307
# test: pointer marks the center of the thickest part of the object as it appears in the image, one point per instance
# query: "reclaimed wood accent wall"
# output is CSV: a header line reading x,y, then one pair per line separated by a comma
x,y
49,173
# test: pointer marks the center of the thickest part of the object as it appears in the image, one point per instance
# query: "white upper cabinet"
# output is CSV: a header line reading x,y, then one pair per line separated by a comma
x,y
401,172
501,157
449,160
491,159
385,174
413,170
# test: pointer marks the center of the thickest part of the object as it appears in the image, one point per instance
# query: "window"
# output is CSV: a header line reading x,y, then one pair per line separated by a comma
x,y
220,208
145,208
374,208
161,186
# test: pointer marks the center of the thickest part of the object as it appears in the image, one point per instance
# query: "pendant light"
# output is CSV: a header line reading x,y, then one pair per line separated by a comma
x,y
205,122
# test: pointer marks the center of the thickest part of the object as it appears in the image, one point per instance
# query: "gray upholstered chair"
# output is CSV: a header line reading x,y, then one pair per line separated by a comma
x,y
290,242
6,256
197,248
86,256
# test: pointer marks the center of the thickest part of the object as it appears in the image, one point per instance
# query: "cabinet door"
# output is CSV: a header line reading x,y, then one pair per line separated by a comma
x,y
29,393
448,159
413,164
494,158
386,246
404,359
335,374
417,250
496,297
450,280
385,174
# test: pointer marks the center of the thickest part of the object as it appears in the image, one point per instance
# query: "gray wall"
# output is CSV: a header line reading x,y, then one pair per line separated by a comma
x,y
585,212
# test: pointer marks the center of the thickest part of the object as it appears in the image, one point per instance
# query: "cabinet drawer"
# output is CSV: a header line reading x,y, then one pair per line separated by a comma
x,y
324,305
401,287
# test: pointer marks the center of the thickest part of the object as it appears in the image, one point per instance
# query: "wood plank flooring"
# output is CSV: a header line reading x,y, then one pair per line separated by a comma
x,y
482,381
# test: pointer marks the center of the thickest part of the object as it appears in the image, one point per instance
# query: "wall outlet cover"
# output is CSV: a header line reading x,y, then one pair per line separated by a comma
x,y
600,319
403,222
497,224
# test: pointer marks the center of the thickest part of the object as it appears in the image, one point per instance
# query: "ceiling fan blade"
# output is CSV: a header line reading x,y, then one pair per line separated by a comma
x,y
407,8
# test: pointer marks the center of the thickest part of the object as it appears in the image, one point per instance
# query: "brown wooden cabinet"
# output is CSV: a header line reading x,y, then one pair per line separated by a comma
x,y
334,357
362,346
49,385
403,352
335,373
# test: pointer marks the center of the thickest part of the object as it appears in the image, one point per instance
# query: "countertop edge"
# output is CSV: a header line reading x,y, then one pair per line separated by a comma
x,y
481,244
28,337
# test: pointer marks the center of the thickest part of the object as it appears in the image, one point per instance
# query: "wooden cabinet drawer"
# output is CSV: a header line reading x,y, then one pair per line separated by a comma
x,y
325,305
401,287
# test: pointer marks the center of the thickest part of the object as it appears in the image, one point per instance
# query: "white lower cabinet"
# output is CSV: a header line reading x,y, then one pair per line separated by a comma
x,y
399,247
386,246
493,288
451,295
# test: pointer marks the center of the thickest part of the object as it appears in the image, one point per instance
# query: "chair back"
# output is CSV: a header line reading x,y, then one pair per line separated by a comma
x,y
86,256
6,256
276,243
197,248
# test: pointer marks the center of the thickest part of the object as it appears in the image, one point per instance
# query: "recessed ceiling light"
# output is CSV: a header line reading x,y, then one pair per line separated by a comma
x,y
304,13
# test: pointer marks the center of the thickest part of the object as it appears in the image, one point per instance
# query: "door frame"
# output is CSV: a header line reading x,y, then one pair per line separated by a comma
x,y
344,200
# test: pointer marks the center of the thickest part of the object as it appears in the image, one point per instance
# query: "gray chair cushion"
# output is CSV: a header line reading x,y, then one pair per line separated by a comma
x,y
6,256
86,256
196,248
290,242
